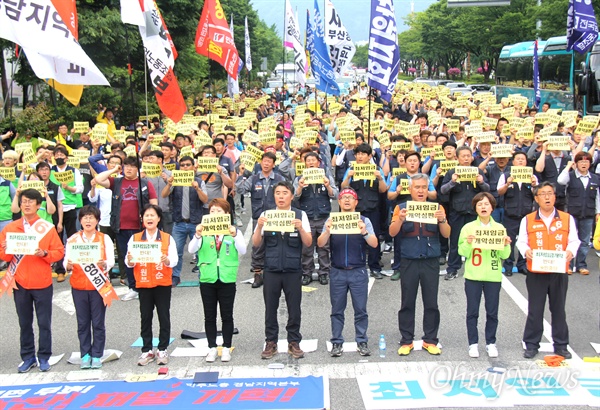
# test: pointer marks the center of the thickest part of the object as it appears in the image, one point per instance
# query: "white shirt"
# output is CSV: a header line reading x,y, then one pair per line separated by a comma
x,y
171,254
78,186
572,241
103,197
240,244
109,249
565,177
305,222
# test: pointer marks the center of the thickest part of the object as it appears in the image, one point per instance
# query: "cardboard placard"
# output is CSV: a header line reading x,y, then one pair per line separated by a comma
x,y
21,243
248,160
186,151
384,140
453,125
151,170
100,133
436,149
84,253
300,167
466,174
216,224
399,146
256,152
489,238
344,223
521,174
22,146
549,261
279,221
348,136
207,164
447,165
145,252
65,177
37,185
81,154
587,125
486,136
502,150
81,126
44,142
250,136
182,178
489,123
313,176
364,171
558,143
29,156
268,138
73,162
398,171
129,150
170,166
422,212
525,132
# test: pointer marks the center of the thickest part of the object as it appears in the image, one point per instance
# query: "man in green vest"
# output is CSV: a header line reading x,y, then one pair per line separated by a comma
x,y
72,189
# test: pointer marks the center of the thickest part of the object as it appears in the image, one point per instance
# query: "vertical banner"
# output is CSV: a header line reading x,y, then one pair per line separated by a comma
x,y
292,40
582,27
233,86
319,54
247,46
384,54
341,47
536,76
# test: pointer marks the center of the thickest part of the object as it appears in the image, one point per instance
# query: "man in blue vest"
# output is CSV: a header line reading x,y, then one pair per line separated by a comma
x,y
315,200
283,271
349,273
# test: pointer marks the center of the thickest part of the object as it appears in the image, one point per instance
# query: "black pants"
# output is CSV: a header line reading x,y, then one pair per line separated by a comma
x,y
540,285
159,296
291,284
512,225
415,272
258,252
69,228
25,301
222,294
119,257
91,312
123,237
456,221
491,292
374,254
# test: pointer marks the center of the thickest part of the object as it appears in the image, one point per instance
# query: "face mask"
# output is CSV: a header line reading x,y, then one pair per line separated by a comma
x,y
59,161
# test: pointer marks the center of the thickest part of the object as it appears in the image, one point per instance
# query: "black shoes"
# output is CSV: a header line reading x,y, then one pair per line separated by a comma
x,y
563,352
258,279
306,279
530,353
376,274
323,279
451,275
363,349
337,349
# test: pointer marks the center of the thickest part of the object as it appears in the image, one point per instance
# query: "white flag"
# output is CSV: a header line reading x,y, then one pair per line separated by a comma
x,y
50,47
341,47
233,86
292,40
247,43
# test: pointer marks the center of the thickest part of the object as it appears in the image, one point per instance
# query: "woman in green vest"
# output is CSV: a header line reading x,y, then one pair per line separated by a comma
x,y
218,261
48,207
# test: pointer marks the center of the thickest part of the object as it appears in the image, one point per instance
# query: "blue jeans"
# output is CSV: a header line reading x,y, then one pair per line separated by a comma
x,y
355,281
123,237
584,231
182,231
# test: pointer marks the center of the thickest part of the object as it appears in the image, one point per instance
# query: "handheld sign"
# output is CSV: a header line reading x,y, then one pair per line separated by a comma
x,y
502,151
404,187
521,174
313,176
183,178
100,132
81,126
44,142
29,156
453,125
296,143
22,146
344,223
486,136
412,130
37,185
216,224
250,136
268,138
65,177
279,221
398,171
364,171
145,252
186,151
422,212
526,132
207,164
558,143
549,261
436,150
21,244
300,166
489,123
170,166
489,238
8,173
398,146
586,125
257,153
84,253
129,150
81,154
466,174
447,165
384,140
151,170
348,136
73,162
248,160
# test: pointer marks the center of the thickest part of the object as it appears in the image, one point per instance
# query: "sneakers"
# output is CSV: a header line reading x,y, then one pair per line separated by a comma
x,y
306,279
60,277
442,260
44,365
515,269
86,362
584,271
363,349
146,357
405,349
336,350
323,279
387,248
295,351
376,274
132,294
162,358
175,280
195,269
28,365
96,363
530,353
396,275
492,350
258,279
239,223
451,275
226,354
474,351
432,349
270,350
212,355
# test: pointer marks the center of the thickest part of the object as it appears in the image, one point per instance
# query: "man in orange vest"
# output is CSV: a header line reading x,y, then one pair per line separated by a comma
x,y
554,233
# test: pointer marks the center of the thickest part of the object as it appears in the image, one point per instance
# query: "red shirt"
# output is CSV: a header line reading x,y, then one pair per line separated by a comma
x,y
130,212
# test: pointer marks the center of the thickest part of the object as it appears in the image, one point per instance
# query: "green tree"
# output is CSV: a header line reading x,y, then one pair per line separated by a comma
x,y
361,56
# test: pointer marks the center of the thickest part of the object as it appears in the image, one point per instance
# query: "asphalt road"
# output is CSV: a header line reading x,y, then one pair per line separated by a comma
x,y
122,324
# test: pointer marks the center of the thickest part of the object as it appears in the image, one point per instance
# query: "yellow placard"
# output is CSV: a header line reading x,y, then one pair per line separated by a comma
x,y
587,125
525,132
279,221
300,167
201,140
248,160
28,170
348,136
82,155
541,118
73,162
182,178
502,150
313,176
37,185
521,174
422,212
558,143
268,138
207,164
489,123
100,133
44,142
151,170
461,112
384,140
256,152
344,223
466,174
446,166
398,171
250,136
364,171
170,166
65,177
399,146
29,156
186,151
215,224
129,150
486,136
81,126
436,149
453,125
411,130
489,238
22,146
296,143
569,118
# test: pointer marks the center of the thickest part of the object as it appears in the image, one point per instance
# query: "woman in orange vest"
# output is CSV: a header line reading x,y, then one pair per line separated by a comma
x,y
89,257
153,276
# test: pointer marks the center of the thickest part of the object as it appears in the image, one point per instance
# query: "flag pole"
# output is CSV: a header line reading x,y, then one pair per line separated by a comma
x,y
146,89
130,71
369,118
283,39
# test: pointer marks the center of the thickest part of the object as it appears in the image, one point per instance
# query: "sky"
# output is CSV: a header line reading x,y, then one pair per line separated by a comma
x,y
355,14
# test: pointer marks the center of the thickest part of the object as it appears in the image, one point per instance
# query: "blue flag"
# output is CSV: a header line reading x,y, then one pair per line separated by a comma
x,y
384,54
536,76
320,63
582,28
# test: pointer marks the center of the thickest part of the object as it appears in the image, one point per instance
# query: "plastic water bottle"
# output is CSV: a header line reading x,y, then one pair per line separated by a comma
x,y
382,346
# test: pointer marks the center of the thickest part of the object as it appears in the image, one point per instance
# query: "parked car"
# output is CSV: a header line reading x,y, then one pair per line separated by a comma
x,y
480,87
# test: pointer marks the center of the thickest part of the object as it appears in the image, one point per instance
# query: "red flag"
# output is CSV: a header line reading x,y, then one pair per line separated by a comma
x,y
67,10
214,40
